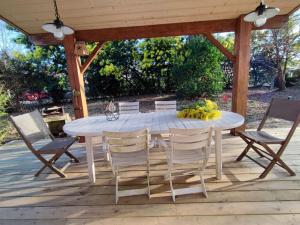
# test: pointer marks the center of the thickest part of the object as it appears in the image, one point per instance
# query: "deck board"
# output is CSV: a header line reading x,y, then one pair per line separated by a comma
x,y
239,198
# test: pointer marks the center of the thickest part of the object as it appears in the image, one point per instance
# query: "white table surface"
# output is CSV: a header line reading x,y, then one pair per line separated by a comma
x,y
156,122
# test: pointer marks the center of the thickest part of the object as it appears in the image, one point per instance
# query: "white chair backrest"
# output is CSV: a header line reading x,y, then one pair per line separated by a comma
x,y
190,142
129,107
165,105
31,126
122,142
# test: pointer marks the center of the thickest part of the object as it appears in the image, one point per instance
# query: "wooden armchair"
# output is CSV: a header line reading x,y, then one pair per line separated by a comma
x,y
281,109
32,128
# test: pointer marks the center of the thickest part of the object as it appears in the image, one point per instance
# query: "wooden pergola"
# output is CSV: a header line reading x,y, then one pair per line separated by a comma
x,y
101,20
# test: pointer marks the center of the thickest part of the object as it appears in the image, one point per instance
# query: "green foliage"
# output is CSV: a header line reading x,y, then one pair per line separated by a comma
x,y
156,60
4,98
133,67
4,125
114,71
227,66
198,70
40,69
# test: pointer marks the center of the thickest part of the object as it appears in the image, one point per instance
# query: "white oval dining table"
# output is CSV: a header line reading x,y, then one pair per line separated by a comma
x,y
156,122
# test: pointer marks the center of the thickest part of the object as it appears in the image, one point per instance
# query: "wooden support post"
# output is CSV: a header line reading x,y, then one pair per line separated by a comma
x,y
241,69
76,78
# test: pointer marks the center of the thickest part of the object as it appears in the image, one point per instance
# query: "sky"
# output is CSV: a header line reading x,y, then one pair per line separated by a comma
x,y
6,42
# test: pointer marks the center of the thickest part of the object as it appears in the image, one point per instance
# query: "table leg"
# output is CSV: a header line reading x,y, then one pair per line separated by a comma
x,y
218,152
90,159
105,149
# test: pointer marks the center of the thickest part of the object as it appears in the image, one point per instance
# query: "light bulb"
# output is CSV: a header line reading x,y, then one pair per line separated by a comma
x,y
260,21
58,34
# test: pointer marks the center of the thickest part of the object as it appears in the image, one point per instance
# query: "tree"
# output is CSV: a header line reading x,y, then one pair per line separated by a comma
x,y
4,126
156,60
114,71
227,66
198,70
278,48
40,68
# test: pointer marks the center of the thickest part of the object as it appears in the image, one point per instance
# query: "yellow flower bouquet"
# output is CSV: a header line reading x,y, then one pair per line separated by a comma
x,y
202,110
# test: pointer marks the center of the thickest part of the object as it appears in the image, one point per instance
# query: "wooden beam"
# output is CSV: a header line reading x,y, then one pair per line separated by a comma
x,y
91,57
161,30
76,78
241,68
218,45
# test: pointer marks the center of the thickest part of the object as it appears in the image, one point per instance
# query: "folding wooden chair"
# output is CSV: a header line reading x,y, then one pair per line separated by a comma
x,y
32,128
128,149
188,146
281,109
129,107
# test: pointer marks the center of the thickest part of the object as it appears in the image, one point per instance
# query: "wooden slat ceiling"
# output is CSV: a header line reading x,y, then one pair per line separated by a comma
x,y
29,15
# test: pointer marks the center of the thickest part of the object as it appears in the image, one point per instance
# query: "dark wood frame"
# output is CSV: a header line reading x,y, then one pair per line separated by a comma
x,y
268,153
57,153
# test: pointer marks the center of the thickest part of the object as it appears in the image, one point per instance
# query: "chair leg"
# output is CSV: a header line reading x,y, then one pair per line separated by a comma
x,y
49,164
57,171
52,160
72,156
40,171
117,186
203,184
246,150
148,179
171,181
276,158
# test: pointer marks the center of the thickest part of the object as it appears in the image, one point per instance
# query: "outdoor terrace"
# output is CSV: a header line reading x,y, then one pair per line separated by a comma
x,y
239,198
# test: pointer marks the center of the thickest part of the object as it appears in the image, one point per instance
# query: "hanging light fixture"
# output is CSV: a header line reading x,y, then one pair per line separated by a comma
x,y
260,15
58,28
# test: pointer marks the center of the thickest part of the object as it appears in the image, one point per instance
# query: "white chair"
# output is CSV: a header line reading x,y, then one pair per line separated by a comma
x,y
165,106
128,149
188,146
129,107
159,107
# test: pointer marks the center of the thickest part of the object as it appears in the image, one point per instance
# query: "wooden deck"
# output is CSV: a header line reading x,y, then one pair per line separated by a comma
x,y
239,198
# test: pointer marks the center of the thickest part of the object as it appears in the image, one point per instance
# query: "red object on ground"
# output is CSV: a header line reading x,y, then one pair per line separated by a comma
x,y
225,98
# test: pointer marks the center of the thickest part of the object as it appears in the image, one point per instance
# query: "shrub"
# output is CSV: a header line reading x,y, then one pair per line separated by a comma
x,y
4,125
198,70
